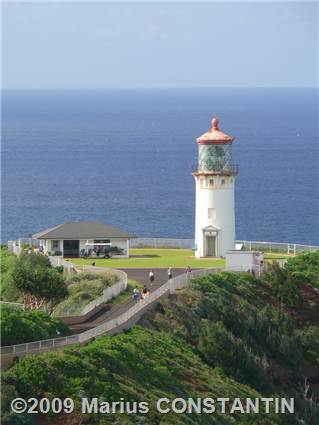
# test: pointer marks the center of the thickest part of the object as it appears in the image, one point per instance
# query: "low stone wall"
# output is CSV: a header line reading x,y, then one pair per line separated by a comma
x,y
285,247
98,304
162,243
77,320
109,327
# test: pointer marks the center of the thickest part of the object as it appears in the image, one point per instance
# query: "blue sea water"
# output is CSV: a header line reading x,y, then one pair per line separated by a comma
x,y
125,157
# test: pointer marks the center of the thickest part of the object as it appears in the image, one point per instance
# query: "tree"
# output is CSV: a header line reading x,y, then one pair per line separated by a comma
x,y
284,285
39,283
219,348
18,326
305,268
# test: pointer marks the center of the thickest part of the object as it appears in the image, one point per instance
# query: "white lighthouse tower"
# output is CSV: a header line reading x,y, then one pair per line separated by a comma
x,y
215,201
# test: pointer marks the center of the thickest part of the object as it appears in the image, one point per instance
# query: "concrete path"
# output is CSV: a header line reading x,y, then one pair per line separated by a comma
x,y
110,312
141,275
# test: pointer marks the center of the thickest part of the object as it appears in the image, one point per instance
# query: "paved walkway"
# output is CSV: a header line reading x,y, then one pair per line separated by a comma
x,y
110,312
142,275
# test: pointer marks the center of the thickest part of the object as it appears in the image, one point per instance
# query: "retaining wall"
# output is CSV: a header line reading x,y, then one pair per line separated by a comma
x,y
110,327
98,303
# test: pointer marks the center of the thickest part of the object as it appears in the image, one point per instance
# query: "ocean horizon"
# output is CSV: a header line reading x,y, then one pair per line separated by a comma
x,y
125,157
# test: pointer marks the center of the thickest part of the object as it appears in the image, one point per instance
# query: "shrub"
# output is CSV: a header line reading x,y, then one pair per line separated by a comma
x,y
309,338
83,288
106,278
8,292
220,349
19,326
33,277
59,269
305,268
285,285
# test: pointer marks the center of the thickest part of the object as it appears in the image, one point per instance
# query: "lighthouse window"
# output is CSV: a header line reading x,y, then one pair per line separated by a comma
x,y
202,182
211,182
223,181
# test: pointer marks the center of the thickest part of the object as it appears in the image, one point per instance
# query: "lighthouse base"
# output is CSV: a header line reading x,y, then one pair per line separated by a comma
x,y
210,246
207,242
213,242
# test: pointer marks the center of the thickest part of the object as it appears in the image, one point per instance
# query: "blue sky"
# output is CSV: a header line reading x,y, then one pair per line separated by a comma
x,y
184,44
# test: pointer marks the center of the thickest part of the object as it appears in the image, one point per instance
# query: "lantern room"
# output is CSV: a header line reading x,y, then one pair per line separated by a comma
x,y
215,151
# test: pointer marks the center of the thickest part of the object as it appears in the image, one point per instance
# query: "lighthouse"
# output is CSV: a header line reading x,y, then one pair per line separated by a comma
x,y
215,201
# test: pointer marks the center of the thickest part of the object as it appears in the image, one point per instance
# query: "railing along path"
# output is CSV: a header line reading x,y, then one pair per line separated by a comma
x,y
128,318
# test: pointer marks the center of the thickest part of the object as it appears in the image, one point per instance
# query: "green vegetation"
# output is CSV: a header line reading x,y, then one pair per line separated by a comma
x,y
305,267
8,293
18,326
309,337
38,282
287,281
154,258
284,285
139,365
235,323
227,335
82,289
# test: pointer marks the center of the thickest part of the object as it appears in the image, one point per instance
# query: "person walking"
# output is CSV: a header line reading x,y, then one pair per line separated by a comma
x,y
144,292
136,294
169,273
188,272
152,277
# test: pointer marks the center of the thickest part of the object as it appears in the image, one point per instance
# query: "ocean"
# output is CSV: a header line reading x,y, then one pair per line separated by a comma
x,y
125,157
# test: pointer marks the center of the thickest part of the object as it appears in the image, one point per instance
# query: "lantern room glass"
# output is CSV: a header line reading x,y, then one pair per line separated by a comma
x,y
214,157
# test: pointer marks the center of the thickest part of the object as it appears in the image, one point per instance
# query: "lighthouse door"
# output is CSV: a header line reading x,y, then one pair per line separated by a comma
x,y
210,246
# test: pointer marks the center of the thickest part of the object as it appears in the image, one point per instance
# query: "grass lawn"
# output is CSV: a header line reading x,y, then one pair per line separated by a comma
x,y
154,258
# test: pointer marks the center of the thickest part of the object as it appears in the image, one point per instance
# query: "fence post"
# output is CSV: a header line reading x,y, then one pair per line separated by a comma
x,y
249,245
294,249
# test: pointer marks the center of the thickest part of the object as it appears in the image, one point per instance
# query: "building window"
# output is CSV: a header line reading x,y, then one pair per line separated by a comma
x,y
211,213
223,181
202,182
56,245
231,180
211,182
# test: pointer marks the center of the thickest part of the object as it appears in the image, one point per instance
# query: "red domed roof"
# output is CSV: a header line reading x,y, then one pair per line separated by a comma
x,y
214,136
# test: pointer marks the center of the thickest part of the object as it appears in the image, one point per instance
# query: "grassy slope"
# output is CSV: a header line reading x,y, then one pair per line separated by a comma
x,y
284,342
138,365
154,258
